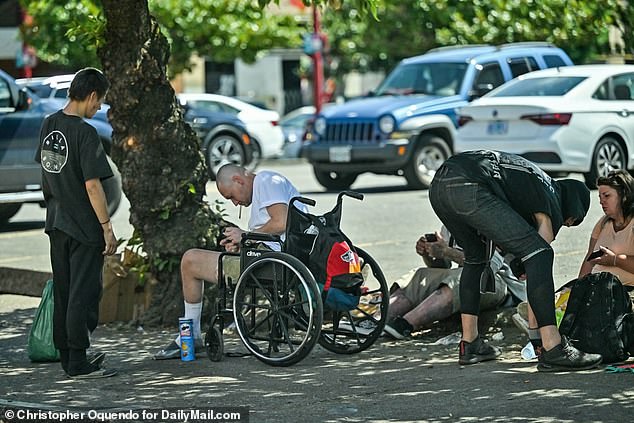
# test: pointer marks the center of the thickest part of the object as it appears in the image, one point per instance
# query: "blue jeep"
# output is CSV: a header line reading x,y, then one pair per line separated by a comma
x,y
406,126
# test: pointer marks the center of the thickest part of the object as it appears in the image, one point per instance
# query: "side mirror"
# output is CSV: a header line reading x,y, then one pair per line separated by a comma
x,y
479,90
24,101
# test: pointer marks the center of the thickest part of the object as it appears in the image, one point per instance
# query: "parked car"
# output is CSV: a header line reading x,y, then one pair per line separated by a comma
x,y
262,124
573,119
224,137
406,126
48,86
293,126
21,116
55,90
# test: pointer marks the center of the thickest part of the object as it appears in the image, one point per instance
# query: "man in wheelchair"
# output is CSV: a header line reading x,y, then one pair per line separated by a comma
x,y
269,194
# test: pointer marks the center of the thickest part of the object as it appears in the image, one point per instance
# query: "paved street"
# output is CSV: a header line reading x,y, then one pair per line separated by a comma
x,y
386,224
394,381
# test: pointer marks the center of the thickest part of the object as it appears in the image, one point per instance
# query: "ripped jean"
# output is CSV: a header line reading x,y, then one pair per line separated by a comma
x,y
470,211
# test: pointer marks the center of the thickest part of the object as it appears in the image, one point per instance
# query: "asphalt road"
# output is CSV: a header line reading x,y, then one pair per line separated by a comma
x,y
386,223
393,381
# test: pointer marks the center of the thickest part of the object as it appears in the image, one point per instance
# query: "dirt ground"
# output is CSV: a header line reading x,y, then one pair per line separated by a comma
x,y
393,381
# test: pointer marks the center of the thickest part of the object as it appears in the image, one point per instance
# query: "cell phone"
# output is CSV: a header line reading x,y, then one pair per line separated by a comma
x,y
431,237
595,254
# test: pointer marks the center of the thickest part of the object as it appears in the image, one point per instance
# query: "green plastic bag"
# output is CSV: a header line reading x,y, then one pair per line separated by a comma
x,y
40,346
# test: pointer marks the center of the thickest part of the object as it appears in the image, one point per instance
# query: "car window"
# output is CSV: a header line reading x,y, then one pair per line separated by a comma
x,y
61,93
546,86
442,79
521,65
622,86
603,92
41,91
5,94
553,61
297,121
489,76
213,106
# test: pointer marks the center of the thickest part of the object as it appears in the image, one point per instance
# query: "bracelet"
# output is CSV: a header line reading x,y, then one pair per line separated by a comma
x,y
103,223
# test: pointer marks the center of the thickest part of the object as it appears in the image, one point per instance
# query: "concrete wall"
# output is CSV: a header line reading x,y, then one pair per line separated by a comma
x,y
261,81
9,43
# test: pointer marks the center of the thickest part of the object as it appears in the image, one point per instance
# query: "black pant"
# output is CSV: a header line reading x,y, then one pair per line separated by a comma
x,y
77,270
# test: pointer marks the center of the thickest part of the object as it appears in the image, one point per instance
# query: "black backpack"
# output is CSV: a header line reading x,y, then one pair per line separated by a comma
x,y
319,242
598,317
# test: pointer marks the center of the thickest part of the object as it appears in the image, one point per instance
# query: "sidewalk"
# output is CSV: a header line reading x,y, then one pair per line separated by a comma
x,y
393,381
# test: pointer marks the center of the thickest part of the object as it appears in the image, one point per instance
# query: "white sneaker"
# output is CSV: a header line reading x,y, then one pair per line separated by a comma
x,y
363,327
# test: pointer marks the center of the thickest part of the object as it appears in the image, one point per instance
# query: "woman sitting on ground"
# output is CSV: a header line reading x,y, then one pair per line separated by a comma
x,y
614,233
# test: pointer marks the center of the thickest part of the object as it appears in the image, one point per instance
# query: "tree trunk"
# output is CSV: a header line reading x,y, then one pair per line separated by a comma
x,y
158,154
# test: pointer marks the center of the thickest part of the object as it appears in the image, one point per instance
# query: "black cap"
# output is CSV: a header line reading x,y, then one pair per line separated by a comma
x,y
575,199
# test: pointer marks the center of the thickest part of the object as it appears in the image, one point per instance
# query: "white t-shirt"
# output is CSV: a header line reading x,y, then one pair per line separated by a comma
x,y
270,188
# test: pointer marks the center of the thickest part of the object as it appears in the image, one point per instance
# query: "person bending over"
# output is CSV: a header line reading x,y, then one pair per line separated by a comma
x,y
507,199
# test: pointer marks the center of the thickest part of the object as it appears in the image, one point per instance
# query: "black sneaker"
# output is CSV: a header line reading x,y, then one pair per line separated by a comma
x,y
89,371
94,358
398,328
477,351
565,357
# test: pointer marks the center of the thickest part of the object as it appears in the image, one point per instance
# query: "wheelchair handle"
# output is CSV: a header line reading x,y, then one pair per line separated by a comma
x,y
304,200
353,194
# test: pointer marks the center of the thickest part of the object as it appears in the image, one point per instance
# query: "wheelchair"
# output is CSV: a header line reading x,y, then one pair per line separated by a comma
x,y
278,307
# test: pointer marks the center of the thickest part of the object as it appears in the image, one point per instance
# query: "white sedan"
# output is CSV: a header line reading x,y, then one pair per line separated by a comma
x,y
262,124
568,119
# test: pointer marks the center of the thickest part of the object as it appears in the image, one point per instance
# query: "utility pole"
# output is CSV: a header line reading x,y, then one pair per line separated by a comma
x,y
318,61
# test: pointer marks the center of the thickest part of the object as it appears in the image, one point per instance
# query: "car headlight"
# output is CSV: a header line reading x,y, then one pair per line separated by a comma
x,y
386,124
320,126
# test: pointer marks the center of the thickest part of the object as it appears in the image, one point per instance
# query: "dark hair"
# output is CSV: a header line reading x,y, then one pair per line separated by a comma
x,y
85,82
623,183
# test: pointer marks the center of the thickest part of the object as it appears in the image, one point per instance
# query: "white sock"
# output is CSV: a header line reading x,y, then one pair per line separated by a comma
x,y
193,311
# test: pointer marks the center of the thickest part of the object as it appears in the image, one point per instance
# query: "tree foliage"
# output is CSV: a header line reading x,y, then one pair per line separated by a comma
x,y
410,27
67,32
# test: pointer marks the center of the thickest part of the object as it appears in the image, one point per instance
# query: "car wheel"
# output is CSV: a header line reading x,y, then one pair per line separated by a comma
x,y
608,155
430,154
335,181
222,150
7,211
112,188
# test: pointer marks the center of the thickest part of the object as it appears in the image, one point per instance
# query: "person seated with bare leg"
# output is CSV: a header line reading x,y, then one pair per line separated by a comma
x,y
268,193
429,294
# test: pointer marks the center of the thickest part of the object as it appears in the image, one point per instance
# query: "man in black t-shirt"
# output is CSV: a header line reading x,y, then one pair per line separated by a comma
x,y
77,221
487,195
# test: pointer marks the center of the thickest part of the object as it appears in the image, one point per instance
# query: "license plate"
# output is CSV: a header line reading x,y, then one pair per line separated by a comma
x,y
340,154
499,127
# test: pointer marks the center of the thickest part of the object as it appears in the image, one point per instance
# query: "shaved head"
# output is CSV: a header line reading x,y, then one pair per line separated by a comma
x,y
226,173
235,183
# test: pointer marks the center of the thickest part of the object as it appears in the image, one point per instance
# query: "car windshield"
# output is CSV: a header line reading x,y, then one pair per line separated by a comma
x,y
442,79
40,90
531,87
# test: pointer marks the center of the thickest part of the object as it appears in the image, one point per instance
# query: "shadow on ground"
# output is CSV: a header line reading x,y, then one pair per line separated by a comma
x,y
393,381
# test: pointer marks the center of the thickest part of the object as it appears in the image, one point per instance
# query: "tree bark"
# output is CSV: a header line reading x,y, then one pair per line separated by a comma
x,y
158,154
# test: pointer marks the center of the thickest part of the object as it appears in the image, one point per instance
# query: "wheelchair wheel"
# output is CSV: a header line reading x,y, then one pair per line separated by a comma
x,y
214,343
355,330
277,309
